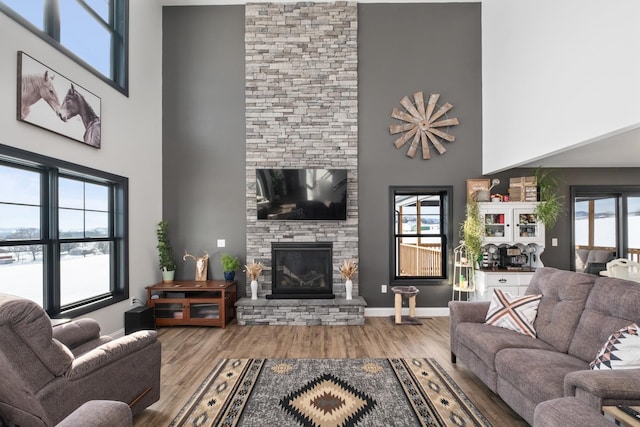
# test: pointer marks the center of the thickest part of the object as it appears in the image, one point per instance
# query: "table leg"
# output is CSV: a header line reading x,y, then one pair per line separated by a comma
x,y
398,309
412,306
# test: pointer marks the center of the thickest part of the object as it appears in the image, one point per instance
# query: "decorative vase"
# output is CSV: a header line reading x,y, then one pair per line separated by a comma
x,y
254,289
167,275
229,276
348,286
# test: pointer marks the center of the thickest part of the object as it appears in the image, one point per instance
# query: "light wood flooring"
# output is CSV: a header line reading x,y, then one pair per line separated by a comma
x,y
189,353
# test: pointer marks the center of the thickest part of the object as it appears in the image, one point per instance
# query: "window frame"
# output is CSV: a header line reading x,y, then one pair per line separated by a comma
x,y
50,170
620,193
446,231
119,29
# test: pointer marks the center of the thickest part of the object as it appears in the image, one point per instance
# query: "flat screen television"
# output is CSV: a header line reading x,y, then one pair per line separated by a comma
x,y
301,194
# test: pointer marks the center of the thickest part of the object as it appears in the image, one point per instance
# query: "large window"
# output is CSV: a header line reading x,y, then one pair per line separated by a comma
x,y
63,233
606,225
420,230
91,32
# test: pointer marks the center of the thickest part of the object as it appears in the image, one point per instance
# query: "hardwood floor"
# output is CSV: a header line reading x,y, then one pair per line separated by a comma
x,y
189,353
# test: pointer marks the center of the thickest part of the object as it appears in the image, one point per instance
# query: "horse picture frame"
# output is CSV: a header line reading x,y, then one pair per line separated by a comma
x,y
50,101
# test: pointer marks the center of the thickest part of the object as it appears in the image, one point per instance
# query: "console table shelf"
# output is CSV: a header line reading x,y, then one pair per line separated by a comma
x,y
210,303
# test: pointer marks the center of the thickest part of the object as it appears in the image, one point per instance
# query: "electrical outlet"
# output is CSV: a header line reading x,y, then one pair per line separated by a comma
x,y
221,243
131,301
383,289
554,241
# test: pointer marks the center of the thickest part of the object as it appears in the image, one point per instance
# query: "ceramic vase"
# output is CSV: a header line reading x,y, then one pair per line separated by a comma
x,y
348,286
167,276
254,289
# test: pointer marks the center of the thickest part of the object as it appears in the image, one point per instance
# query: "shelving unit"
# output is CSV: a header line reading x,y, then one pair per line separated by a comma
x,y
210,303
463,273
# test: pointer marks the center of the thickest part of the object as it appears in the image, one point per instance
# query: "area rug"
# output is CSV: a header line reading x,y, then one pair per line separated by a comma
x,y
329,393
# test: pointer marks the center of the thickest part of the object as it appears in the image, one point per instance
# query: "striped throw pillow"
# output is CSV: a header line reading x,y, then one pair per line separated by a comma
x,y
513,312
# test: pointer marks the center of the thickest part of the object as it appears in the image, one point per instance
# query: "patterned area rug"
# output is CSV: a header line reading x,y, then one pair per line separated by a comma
x,y
329,393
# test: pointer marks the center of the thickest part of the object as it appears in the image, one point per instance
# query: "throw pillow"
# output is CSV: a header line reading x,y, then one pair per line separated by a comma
x,y
621,351
516,313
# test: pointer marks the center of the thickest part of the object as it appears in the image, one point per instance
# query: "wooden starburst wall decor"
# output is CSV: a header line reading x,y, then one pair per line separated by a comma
x,y
422,124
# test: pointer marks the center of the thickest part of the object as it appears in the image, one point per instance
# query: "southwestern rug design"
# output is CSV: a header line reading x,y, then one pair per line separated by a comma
x,y
329,393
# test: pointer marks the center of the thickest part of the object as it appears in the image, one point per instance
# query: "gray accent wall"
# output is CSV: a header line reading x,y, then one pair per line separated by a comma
x,y
203,140
402,49
434,48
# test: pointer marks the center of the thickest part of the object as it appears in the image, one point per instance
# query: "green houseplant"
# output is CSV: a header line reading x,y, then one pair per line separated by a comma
x,y
550,205
229,266
473,230
165,253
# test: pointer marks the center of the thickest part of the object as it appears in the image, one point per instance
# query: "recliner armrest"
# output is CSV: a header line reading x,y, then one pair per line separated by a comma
x,y
604,386
110,352
77,332
99,413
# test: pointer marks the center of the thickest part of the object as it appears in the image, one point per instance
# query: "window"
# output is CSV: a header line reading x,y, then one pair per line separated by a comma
x,y
91,32
63,233
606,222
420,232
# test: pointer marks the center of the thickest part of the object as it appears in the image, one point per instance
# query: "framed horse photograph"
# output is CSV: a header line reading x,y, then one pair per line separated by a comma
x,y
51,101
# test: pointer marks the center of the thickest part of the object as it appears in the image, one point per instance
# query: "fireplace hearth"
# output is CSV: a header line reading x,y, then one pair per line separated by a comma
x,y
302,270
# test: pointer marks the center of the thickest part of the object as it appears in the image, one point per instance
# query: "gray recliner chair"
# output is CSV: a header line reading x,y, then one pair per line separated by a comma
x,y
46,372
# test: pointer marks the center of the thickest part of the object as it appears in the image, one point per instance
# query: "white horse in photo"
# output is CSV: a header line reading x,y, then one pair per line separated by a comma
x,y
74,104
36,87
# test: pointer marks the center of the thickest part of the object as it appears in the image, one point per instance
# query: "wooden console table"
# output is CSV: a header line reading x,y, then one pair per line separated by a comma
x,y
184,302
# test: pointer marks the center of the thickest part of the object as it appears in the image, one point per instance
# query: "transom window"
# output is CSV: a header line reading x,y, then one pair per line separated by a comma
x,y
63,233
420,234
91,32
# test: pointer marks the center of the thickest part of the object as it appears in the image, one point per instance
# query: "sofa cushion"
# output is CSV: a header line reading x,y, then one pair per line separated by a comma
x,y
621,351
515,313
486,341
537,374
564,294
612,304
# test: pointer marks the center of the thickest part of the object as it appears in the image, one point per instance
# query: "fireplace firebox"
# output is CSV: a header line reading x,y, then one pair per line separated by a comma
x,y
302,270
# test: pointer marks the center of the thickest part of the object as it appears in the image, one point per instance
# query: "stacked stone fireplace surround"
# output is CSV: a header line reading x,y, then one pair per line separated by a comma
x,y
302,112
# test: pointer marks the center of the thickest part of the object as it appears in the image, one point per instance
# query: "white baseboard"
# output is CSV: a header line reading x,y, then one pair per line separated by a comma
x,y
420,311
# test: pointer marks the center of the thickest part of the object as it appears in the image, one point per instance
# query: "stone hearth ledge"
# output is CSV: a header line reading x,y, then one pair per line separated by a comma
x,y
300,312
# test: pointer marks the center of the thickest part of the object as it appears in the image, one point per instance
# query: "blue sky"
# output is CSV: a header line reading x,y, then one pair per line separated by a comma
x,y
79,31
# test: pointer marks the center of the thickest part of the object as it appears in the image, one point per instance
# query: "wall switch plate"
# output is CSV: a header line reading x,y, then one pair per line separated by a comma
x,y
221,243
554,241
383,289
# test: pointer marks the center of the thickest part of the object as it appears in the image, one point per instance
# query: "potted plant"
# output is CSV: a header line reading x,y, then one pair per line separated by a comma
x,y
229,266
550,204
167,264
473,230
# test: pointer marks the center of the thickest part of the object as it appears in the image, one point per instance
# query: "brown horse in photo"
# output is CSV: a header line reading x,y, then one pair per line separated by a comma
x,y
74,104
36,87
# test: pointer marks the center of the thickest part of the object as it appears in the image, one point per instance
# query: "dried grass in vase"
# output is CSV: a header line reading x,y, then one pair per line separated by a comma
x,y
254,270
348,269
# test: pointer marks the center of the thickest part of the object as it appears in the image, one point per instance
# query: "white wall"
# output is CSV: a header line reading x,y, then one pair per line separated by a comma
x,y
555,74
131,133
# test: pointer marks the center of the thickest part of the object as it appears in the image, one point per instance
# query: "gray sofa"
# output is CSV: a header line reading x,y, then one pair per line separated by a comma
x,y
577,313
46,372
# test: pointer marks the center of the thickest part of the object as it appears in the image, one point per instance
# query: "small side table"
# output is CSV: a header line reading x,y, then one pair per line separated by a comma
x,y
410,293
615,414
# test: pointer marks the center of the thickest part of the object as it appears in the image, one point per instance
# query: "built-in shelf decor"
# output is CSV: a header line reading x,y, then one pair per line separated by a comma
x,y
422,124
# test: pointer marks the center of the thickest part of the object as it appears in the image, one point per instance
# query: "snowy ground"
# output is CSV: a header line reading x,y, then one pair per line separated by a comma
x,y
82,277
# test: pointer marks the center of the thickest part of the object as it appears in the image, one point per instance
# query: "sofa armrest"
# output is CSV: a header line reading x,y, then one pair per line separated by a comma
x,y
99,413
110,352
465,312
77,332
600,388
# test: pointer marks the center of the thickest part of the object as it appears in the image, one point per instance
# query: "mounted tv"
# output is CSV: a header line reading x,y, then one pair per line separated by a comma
x,y
301,194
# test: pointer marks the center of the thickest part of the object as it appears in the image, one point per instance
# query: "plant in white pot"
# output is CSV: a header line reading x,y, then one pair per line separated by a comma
x,y
165,253
253,271
229,266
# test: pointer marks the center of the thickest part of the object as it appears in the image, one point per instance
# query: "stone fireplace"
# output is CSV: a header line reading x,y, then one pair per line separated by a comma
x,y
301,270
301,111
